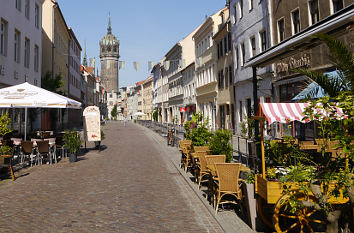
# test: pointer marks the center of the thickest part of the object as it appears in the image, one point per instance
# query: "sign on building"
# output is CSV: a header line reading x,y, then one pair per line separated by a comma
x,y
92,127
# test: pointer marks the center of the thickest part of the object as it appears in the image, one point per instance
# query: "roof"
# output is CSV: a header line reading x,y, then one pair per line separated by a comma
x,y
303,38
71,32
139,83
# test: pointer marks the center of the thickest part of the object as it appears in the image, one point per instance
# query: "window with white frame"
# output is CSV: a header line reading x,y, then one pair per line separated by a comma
x,y
281,30
337,5
3,37
240,6
18,4
253,46
295,18
263,40
243,54
27,9
17,42
235,13
36,58
27,52
314,11
236,56
250,4
36,16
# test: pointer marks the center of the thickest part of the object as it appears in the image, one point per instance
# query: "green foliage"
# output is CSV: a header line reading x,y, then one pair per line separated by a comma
x,y
250,178
155,114
197,131
53,84
72,141
5,150
343,59
4,125
114,112
247,127
103,136
220,144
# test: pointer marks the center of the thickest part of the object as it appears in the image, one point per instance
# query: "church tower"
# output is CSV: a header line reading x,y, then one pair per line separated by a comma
x,y
109,55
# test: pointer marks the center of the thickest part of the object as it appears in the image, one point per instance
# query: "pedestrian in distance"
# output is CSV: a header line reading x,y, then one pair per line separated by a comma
x,y
125,121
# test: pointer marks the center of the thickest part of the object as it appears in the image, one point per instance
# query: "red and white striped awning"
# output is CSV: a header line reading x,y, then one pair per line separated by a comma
x,y
287,112
283,112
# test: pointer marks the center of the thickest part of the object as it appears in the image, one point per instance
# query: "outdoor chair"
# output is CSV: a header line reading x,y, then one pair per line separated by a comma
x,y
201,148
28,150
43,150
227,183
7,163
210,163
60,145
202,170
52,148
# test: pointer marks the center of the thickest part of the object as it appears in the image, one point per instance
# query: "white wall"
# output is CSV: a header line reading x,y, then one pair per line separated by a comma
x,y
11,72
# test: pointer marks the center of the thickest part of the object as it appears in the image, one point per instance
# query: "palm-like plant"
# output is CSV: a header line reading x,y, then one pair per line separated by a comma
x,y
343,59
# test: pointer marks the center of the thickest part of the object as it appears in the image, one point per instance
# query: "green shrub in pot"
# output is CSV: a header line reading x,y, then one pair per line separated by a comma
x,y
72,143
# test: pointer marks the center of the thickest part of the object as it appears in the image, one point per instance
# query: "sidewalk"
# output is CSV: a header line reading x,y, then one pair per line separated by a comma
x,y
228,219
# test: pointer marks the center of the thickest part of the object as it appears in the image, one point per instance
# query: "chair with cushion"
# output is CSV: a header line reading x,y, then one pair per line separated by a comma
x,y
227,183
60,145
43,150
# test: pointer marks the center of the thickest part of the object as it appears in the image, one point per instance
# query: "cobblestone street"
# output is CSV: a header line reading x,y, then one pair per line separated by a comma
x,y
127,187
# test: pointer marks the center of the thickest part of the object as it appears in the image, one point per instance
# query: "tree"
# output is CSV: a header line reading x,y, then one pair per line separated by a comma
x,y
155,114
343,60
114,112
53,84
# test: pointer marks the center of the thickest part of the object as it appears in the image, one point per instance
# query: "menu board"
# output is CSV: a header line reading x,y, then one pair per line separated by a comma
x,y
92,127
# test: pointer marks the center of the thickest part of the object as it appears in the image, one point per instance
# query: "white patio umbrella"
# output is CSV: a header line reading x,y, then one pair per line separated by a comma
x,y
139,114
26,96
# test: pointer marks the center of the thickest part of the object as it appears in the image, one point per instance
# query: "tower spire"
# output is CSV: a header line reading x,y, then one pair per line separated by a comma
x,y
84,61
109,29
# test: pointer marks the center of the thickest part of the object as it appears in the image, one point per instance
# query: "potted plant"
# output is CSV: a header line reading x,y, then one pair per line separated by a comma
x,y
6,151
98,143
250,201
72,143
220,144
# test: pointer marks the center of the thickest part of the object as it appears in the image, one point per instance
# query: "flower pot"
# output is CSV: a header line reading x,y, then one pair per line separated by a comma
x,y
97,144
72,157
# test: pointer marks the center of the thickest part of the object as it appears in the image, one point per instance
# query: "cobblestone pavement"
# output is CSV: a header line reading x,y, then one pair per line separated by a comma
x,y
127,187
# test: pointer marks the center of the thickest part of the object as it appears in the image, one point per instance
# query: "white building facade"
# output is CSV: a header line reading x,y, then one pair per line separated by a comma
x,y
20,42
250,29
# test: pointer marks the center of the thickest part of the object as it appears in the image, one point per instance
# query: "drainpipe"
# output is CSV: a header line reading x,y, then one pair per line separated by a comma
x,y
255,110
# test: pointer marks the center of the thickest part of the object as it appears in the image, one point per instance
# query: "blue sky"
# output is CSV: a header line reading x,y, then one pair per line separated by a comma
x,y
147,30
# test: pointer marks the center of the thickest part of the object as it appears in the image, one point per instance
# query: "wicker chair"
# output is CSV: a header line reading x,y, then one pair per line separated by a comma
x,y
212,159
185,157
201,148
201,169
227,183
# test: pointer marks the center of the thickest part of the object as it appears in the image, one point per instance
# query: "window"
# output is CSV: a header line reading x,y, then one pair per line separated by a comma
x,y
229,40
18,4
36,16
27,9
281,31
240,111
27,52
253,46
225,45
3,38
241,8
226,77
36,58
221,48
222,79
263,39
337,5
242,54
222,17
314,11
218,45
235,15
17,41
295,17
230,75
236,57
251,4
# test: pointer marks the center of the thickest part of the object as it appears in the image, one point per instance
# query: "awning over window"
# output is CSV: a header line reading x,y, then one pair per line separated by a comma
x,y
287,112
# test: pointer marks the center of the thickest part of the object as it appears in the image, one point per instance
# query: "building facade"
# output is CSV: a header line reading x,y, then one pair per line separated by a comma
x,y
189,93
205,67
225,111
148,91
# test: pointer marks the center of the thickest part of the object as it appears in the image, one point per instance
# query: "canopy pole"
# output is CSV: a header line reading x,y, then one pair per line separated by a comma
x,y
262,144
25,124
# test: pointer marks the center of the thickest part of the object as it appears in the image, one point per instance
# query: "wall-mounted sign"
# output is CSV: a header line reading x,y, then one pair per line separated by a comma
x,y
303,62
182,109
